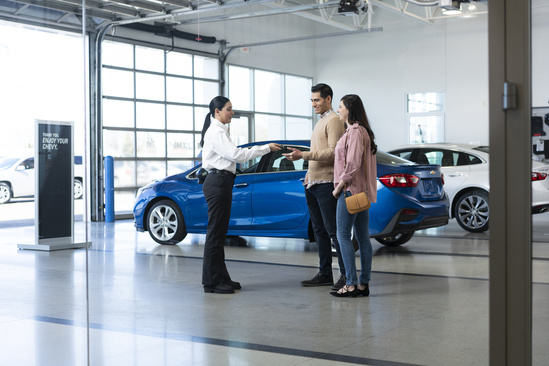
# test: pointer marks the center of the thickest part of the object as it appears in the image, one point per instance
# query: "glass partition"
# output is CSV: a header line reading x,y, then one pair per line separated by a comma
x,y
43,76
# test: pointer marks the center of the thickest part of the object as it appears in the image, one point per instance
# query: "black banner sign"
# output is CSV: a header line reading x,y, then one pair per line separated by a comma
x,y
54,180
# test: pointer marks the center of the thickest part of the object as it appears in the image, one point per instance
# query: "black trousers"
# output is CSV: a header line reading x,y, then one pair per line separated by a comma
x,y
218,191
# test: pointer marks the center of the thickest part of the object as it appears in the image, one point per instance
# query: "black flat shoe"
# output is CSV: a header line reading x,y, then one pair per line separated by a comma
x,y
222,288
344,292
234,285
365,291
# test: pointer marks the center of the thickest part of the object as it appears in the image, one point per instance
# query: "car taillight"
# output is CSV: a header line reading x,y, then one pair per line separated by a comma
x,y
538,176
399,180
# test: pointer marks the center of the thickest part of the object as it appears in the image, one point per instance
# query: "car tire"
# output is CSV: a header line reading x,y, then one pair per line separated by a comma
x,y
396,240
472,211
165,223
5,193
78,189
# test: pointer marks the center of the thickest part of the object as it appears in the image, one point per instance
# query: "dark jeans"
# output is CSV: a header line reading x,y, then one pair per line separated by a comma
x,y
322,208
218,191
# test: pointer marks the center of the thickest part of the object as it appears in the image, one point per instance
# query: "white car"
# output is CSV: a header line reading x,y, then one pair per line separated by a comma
x,y
17,178
467,180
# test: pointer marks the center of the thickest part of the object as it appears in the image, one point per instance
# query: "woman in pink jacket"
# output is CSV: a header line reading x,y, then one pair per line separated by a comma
x,y
354,172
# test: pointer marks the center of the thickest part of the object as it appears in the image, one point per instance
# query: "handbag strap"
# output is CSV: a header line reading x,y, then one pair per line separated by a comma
x,y
363,161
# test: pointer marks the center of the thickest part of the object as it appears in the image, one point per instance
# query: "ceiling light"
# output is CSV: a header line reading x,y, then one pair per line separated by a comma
x,y
451,11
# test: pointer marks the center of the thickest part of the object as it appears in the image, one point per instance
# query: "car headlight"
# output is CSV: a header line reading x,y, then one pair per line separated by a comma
x,y
143,189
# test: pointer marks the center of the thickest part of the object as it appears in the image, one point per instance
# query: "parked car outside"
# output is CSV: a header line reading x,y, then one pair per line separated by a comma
x,y
467,180
269,200
17,178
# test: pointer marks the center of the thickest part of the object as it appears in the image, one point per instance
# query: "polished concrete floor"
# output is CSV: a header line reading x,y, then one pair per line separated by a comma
x,y
145,306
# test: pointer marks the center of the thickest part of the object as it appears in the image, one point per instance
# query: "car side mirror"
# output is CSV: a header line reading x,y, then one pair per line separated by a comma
x,y
20,167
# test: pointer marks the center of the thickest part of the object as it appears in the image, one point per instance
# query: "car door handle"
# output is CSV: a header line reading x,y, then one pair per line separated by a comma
x,y
241,185
456,174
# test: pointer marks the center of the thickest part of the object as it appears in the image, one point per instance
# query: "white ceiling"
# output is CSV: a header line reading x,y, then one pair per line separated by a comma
x,y
100,13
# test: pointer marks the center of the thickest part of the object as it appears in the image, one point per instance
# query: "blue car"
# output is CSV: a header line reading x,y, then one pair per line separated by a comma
x,y
269,200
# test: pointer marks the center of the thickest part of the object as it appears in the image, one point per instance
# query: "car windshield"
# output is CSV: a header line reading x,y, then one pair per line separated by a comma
x,y
484,149
7,162
388,159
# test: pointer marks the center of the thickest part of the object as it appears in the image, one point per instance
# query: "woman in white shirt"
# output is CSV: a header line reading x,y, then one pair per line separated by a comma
x,y
219,158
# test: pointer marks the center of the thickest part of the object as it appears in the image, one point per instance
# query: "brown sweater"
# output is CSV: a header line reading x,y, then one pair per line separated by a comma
x,y
324,138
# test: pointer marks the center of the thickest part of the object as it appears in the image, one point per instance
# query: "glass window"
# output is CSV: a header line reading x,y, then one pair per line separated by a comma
x,y
117,83
151,144
281,164
268,92
248,167
405,154
117,54
206,67
280,95
179,90
473,160
240,87
389,159
123,201
199,116
180,145
197,147
434,157
298,128
425,117
150,115
149,86
150,59
268,127
425,102
179,63
449,158
171,111
205,91
118,143
426,129
239,130
176,167
124,173
180,117
118,113
147,171
298,91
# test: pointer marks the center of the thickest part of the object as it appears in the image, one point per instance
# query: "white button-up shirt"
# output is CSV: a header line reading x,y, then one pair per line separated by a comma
x,y
220,152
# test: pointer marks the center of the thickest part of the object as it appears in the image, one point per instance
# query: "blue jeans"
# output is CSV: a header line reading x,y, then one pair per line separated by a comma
x,y
345,224
322,208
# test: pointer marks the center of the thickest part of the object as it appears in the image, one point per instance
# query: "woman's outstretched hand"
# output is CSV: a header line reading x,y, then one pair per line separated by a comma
x,y
275,147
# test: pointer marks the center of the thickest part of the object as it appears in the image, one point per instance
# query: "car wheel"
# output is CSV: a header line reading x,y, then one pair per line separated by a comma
x,y
472,211
5,193
165,223
396,240
78,189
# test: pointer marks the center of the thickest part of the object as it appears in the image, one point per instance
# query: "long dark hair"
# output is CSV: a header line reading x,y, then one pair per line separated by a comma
x,y
216,103
357,114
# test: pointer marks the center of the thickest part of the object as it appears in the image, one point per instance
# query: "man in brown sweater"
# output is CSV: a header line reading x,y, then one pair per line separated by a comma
x,y
319,185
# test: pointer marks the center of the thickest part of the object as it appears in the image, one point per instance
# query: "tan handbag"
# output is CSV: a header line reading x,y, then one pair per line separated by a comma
x,y
357,202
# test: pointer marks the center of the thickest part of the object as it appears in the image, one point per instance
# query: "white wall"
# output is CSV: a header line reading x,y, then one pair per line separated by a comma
x,y
449,56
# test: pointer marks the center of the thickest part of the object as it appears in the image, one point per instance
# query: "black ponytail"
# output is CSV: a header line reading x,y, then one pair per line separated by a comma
x,y
216,103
